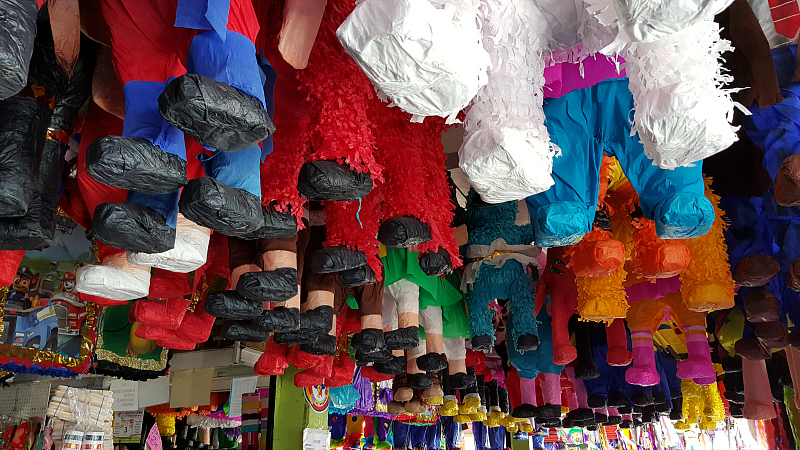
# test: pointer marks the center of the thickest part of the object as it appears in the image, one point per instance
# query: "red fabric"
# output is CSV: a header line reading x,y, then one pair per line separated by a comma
x,y
196,326
167,313
154,332
273,361
781,440
348,322
73,204
9,263
559,281
166,284
512,384
369,373
280,170
618,353
343,372
145,44
176,343
785,17
319,364
306,379
539,392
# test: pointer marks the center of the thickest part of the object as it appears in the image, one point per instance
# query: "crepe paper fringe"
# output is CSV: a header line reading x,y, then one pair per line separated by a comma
x,y
709,264
602,299
340,95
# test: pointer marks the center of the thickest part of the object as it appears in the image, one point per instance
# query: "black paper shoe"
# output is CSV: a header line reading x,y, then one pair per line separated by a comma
x,y
596,402
276,225
581,415
245,332
394,366
360,276
419,381
432,362
136,165
270,286
614,420
209,203
642,398
659,398
627,409
280,320
323,345
524,411
461,380
294,337
317,321
527,343
548,411
552,423
231,305
368,340
331,181
600,418
337,259
214,114
626,424
363,358
404,232
737,410
649,415
481,343
402,338
134,228
436,263
617,400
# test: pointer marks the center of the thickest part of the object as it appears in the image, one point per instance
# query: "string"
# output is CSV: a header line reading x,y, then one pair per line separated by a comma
x,y
358,212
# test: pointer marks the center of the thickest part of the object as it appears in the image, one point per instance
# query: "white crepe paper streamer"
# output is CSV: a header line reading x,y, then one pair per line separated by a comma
x,y
507,153
651,20
425,56
682,114
672,50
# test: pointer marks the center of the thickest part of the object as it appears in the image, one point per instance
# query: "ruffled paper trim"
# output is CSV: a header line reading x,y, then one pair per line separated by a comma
x,y
33,369
515,34
602,299
415,175
339,96
709,263
355,225
682,112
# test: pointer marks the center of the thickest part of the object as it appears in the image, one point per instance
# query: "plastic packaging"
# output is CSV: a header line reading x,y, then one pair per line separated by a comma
x,y
16,44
